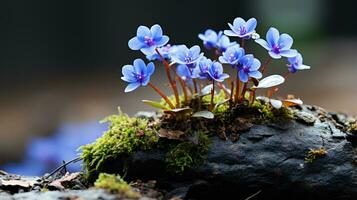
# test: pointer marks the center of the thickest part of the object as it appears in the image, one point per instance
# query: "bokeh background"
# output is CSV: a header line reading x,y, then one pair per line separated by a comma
x,y
60,62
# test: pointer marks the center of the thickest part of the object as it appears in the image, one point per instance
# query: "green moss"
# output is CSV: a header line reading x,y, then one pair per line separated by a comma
x,y
115,184
313,154
271,114
184,155
353,127
124,136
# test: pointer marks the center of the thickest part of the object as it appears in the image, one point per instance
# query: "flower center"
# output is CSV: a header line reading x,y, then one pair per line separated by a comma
x,y
242,30
246,70
276,49
231,57
140,77
149,41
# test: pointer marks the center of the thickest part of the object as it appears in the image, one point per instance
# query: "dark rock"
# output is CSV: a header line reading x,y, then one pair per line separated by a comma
x,y
270,159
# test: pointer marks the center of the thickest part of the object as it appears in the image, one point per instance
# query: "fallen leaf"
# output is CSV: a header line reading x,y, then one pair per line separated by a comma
x,y
172,135
62,182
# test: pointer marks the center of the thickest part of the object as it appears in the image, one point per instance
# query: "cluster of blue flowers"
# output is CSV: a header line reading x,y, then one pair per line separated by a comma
x,y
43,155
191,67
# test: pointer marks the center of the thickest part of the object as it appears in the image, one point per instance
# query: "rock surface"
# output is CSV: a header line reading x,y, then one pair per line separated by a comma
x,y
267,161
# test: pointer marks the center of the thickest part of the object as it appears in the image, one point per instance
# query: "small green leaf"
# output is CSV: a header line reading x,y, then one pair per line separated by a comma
x,y
204,113
220,103
155,104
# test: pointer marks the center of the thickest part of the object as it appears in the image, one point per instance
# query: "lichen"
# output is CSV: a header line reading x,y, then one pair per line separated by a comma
x,y
184,155
123,137
116,185
313,154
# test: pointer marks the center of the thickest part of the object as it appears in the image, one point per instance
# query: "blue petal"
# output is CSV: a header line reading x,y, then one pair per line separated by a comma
x,y
255,74
272,36
150,69
148,50
237,23
222,59
164,39
132,86
230,33
263,43
139,66
223,77
195,50
243,76
256,65
288,53
251,24
156,32
145,81
285,41
143,31
218,67
183,72
135,44
127,72
274,55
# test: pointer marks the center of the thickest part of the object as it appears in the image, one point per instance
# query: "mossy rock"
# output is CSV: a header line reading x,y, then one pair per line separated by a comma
x,y
269,155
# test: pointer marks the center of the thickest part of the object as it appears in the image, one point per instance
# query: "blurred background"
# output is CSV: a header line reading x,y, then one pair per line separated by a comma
x,y
60,63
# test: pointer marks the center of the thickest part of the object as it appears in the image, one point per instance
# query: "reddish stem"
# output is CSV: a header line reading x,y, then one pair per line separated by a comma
x,y
162,95
244,90
194,85
212,97
236,97
222,87
172,82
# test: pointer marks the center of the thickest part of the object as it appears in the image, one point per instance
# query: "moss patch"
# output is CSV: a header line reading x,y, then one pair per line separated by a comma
x,y
124,136
353,127
313,154
116,185
184,155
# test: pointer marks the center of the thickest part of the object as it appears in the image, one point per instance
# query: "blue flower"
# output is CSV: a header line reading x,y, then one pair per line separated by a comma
x,y
248,68
241,28
184,72
137,74
201,70
165,52
278,45
223,42
296,63
232,55
209,38
215,72
148,39
213,40
185,56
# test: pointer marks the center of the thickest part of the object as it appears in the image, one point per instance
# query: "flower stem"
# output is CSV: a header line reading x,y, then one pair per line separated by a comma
x,y
172,81
242,43
212,97
266,64
225,90
184,89
244,90
236,97
231,96
162,95
194,85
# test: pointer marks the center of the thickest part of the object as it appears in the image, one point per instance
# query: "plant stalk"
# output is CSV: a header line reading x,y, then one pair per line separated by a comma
x,y
172,81
167,100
